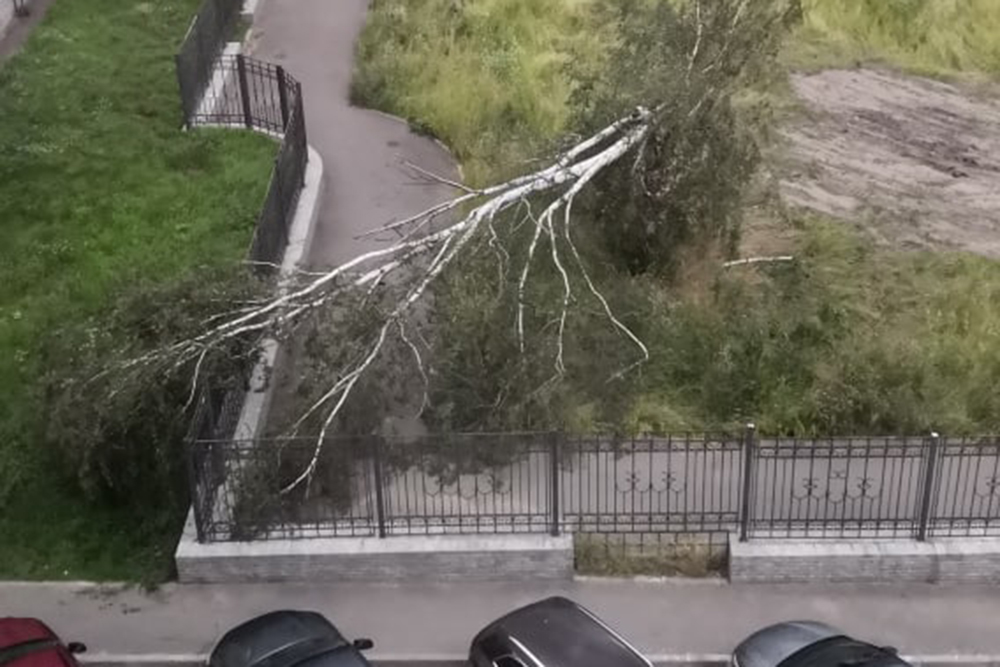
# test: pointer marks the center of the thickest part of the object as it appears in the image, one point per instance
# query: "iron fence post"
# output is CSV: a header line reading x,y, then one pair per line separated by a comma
x,y
300,119
199,520
379,497
927,490
178,69
746,501
554,463
282,97
241,68
284,211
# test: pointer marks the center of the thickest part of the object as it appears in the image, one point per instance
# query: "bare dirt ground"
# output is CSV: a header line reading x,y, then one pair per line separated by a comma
x,y
914,160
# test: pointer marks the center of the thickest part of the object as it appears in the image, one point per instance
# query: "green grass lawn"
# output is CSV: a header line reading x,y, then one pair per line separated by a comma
x,y
489,79
933,37
99,189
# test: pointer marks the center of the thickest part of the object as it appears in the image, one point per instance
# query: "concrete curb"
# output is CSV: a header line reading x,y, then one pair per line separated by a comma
x,y
450,558
257,402
713,580
258,399
425,660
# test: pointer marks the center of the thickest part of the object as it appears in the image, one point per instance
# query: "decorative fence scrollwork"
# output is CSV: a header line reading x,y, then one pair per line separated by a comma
x,y
550,483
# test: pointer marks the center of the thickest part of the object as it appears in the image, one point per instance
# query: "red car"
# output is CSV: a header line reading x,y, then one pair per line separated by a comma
x,y
27,642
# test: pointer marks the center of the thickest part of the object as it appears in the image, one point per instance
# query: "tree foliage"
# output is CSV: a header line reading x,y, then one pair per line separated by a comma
x,y
684,190
679,193
117,429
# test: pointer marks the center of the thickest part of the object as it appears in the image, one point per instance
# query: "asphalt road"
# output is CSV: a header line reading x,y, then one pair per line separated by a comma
x,y
431,619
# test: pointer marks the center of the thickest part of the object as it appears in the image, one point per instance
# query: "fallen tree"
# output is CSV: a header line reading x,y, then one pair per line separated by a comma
x,y
521,222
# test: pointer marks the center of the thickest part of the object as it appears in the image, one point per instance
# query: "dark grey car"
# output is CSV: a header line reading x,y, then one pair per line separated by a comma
x,y
288,639
810,644
554,632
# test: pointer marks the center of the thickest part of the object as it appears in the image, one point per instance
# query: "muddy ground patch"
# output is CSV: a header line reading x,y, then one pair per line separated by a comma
x,y
916,161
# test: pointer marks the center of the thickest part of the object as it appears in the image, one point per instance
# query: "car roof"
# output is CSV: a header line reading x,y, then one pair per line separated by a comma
x,y
280,639
557,632
27,642
770,646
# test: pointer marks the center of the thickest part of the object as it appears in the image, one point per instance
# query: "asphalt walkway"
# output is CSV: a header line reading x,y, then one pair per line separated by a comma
x,y
426,619
362,150
365,181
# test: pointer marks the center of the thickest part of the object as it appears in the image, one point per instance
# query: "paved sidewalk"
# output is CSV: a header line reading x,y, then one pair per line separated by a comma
x,y
362,150
365,182
439,620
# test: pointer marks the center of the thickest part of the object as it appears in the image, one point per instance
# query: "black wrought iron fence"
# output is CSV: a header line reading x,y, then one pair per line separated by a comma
x,y
550,483
203,44
847,487
215,419
237,91
287,179
964,481
247,93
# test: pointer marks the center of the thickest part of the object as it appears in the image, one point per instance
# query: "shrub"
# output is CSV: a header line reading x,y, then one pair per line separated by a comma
x,y
118,429
686,185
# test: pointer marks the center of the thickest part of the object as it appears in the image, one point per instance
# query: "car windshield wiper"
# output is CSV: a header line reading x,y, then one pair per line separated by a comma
x,y
12,653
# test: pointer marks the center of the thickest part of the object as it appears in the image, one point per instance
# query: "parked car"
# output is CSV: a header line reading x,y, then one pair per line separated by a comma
x,y
555,632
812,644
288,639
27,642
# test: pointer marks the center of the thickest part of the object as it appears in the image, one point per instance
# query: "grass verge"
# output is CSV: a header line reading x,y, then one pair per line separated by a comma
x,y
630,555
99,189
932,37
488,77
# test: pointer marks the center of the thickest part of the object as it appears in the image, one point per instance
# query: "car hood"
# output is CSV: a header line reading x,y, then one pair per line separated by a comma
x,y
770,646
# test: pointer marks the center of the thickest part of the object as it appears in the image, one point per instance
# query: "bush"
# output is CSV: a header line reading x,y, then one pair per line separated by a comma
x,y
845,340
685,188
118,430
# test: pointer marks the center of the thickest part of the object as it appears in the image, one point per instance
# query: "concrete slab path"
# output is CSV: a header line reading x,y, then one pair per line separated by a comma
x,y
362,150
428,619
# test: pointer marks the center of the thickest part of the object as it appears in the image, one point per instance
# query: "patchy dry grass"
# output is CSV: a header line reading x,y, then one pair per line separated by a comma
x,y
629,555
935,37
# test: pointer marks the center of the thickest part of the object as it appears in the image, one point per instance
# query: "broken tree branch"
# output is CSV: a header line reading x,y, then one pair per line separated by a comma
x,y
757,260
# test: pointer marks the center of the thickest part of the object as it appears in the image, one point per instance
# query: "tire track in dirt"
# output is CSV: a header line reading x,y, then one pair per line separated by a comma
x,y
916,160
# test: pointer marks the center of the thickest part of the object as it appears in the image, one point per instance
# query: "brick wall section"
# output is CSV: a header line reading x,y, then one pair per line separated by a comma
x,y
452,558
869,561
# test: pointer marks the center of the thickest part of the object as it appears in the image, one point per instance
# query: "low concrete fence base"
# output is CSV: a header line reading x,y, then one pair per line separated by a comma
x,y
965,560
370,559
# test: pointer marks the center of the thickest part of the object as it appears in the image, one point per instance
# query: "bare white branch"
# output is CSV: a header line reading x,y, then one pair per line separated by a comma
x,y
758,260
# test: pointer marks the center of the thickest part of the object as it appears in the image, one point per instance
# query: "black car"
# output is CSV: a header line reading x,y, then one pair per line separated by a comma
x,y
555,632
812,644
288,639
